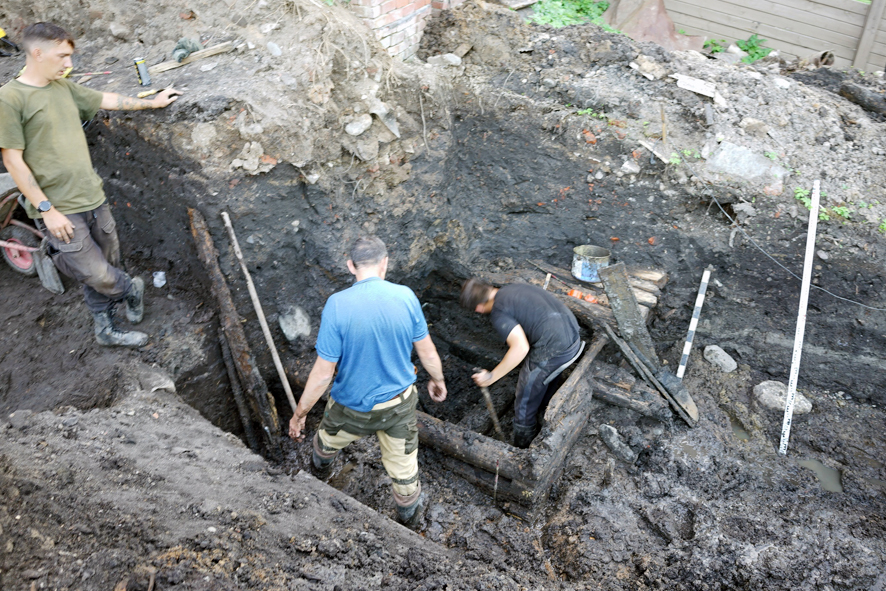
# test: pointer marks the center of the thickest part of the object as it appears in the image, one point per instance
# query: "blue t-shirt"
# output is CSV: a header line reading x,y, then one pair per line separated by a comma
x,y
368,330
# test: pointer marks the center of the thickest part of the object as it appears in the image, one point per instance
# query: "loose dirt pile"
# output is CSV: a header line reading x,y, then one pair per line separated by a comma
x,y
542,140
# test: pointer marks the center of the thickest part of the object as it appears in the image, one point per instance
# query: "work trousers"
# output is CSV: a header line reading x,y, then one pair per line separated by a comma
x,y
533,394
92,257
395,425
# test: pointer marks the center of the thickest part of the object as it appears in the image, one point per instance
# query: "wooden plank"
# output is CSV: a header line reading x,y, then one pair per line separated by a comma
x,y
779,11
519,495
657,278
871,25
568,396
656,407
850,11
772,28
197,55
631,324
720,30
473,448
564,277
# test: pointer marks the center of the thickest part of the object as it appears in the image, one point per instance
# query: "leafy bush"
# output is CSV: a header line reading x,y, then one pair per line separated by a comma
x,y
753,45
562,13
715,45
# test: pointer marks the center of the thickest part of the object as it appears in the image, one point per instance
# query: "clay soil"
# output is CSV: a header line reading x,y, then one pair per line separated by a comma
x,y
128,468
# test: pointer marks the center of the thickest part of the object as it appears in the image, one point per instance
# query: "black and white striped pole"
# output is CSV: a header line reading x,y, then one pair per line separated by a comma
x,y
693,324
801,321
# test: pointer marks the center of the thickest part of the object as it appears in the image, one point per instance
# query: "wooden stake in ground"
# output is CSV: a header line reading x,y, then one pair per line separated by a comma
x,y
250,377
259,312
801,321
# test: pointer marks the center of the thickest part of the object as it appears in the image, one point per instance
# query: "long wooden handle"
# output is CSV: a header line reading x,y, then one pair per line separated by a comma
x,y
259,312
492,414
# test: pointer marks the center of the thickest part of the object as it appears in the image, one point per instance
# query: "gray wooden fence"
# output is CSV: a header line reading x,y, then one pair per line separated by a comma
x,y
855,32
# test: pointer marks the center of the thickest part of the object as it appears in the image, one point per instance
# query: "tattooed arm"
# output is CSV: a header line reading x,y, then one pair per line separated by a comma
x,y
112,101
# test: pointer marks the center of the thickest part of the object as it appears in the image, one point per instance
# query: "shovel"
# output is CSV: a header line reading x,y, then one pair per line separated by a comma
x,y
46,270
491,408
671,383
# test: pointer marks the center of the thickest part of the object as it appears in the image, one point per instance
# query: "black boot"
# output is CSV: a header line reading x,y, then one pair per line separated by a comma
x,y
411,515
135,301
107,333
524,434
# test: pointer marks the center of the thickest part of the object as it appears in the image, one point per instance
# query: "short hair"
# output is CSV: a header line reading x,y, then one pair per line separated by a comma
x,y
473,293
42,32
368,250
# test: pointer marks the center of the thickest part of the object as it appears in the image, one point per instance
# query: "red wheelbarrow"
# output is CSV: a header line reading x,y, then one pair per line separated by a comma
x,y
22,245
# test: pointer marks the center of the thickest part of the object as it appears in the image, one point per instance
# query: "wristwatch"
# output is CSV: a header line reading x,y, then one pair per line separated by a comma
x,y
44,206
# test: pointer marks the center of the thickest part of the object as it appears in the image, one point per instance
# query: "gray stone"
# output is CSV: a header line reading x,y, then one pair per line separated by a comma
x,y
360,124
720,358
120,31
630,167
21,419
274,49
729,58
152,379
295,323
618,447
774,395
743,211
549,82
447,59
366,150
747,165
823,255
754,126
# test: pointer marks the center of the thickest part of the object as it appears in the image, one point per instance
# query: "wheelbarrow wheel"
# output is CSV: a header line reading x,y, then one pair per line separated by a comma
x,y
20,261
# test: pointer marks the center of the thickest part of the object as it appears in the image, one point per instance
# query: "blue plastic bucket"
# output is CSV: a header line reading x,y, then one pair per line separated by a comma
x,y
587,260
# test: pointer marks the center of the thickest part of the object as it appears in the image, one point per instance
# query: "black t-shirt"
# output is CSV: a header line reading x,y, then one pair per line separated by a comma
x,y
549,325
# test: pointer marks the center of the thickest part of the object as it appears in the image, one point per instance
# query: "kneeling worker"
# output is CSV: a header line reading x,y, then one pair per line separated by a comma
x,y
535,323
368,331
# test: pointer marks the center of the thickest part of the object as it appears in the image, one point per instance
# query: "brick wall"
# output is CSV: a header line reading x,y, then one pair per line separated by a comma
x,y
399,24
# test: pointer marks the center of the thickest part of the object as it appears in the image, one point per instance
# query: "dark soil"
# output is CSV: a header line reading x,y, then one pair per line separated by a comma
x,y
121,481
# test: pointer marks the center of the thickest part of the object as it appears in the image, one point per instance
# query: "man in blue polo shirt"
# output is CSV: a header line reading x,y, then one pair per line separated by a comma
x,y
368,332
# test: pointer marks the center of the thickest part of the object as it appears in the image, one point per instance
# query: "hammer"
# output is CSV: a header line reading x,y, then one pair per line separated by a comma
x,y
488,398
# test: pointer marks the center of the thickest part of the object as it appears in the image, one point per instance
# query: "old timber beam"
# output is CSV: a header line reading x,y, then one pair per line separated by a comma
x,y
250,377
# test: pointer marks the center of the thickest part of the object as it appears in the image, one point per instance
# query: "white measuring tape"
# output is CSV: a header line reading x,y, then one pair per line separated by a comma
x,y
693,324
801,322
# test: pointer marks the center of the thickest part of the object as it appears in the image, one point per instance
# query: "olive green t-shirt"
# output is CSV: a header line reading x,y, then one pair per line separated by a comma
x,y
45,123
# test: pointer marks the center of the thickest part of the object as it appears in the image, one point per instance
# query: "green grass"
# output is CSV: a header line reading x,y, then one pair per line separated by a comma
x,y
562,13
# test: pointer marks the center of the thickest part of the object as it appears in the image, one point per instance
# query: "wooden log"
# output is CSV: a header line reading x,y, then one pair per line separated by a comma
x,y
237,391
866,99
656,407
507,489
659,278
642,291
250,377
197,55
571,394
473,448
591,315
553,449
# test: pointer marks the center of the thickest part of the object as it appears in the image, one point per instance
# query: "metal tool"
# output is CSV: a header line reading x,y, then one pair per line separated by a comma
x,y
671,383
490,407
647,375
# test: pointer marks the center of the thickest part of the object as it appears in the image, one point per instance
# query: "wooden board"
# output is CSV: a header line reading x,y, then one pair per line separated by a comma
x,y
197,55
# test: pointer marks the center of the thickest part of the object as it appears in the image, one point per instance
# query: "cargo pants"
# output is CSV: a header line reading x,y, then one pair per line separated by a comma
x,y
536,387
92,257
395,424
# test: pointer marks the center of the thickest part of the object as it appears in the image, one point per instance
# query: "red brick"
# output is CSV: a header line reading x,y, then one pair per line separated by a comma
x,y
388,6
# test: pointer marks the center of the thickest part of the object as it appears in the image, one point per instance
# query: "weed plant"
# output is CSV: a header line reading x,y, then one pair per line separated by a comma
x,y
562,13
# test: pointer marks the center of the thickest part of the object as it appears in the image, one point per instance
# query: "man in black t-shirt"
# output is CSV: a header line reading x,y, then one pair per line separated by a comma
x,y
537,327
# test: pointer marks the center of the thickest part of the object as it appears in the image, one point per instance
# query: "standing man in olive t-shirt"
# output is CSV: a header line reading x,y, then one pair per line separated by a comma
x,y
44,149
538,328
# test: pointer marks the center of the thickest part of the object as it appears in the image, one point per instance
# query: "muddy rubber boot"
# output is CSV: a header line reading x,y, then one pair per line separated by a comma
x,y
321,464
411,515
135,301
524,434
107,334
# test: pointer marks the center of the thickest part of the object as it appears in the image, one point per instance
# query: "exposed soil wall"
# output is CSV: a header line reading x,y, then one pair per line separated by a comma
x,y
531,147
